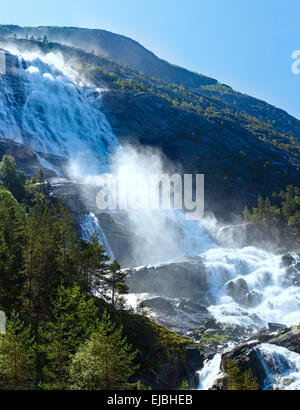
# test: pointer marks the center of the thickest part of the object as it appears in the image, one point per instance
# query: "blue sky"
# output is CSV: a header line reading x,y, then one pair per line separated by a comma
x,y
244,43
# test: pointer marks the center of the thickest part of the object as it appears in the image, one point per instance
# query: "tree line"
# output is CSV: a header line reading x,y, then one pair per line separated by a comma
x,y
280,214
57,336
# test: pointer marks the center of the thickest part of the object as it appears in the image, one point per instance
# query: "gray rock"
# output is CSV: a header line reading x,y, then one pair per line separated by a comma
x,y
160,304
175,280
273,327
238,290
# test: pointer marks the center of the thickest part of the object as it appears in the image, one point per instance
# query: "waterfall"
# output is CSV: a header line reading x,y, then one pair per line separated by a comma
x,y
48,109
210,373
282,367
89,226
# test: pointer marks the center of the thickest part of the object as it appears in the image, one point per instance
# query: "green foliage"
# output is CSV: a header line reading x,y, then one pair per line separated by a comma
x,y
281,214
11,178
184,385
48,276
236,380
74,318
214,338
116,284
17,358
104,362
11,251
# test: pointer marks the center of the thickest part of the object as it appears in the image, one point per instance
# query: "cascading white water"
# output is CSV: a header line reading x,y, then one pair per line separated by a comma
x,y
276,298
90,226
282,367
56,115
209,373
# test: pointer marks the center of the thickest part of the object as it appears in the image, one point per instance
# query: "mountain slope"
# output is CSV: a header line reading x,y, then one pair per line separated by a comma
x,y
117,47
242,155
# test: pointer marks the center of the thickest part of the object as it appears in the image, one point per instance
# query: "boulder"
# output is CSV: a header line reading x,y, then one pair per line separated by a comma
x,y
293,273
287,260
211,324
290,340
238,290
274,327
246,359
174,280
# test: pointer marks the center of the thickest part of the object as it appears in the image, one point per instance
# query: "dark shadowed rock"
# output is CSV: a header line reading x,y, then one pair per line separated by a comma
x,y
289,340
287,260
274,327
246,359
211,324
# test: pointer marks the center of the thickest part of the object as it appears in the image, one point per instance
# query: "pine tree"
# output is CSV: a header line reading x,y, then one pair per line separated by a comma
x,y
17,356
116,283
74,319
11,257
12,179
69,246
105,362
42,269
94,264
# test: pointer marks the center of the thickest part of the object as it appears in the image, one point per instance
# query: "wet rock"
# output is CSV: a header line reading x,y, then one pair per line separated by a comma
x,y
293,273
194,357
246,359
238,290
290,340
174,280
274,327
160,304
190,306
246,356
24,156
262,336
211,324
287,260
212,332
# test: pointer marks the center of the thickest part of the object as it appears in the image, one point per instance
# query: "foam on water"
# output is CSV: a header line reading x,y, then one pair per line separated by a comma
x,y
282,367
210,373
264,275
56,114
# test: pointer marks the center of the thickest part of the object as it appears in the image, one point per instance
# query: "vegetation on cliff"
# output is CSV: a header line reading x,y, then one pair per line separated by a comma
x,y
279,214
59,335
